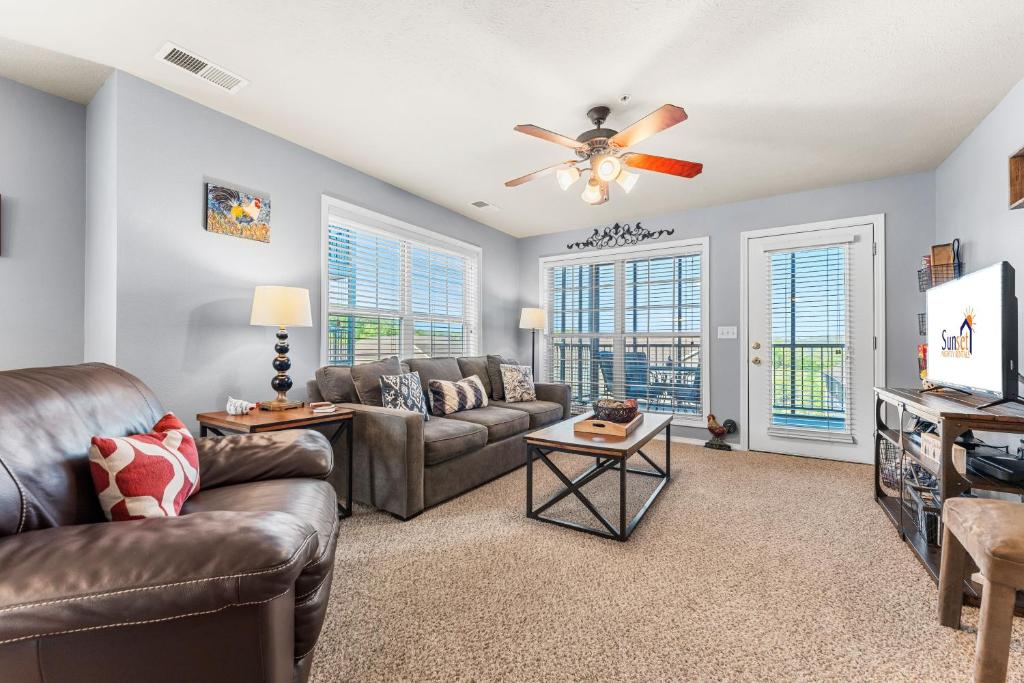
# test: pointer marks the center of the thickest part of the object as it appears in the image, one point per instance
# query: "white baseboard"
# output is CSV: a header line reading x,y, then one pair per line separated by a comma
x,y
680,439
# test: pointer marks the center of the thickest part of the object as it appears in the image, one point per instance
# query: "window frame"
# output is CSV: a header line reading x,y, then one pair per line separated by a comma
x,y
685,247
363,219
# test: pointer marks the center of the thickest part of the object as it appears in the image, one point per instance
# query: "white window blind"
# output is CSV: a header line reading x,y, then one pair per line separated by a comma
x,y
392,293
810,358
631,325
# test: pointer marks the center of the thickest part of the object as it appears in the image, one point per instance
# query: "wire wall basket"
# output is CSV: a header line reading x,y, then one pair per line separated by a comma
x,y
930,276
922,324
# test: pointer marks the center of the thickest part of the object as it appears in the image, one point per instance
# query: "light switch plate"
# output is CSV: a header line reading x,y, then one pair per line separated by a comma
x,y
728,332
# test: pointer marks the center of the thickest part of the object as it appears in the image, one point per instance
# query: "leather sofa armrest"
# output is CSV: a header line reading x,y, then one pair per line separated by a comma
x,y
556,393
97,576
253,457
388,447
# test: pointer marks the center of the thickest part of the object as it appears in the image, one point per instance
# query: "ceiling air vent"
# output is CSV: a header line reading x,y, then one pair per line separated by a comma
x,y
483,206
197,66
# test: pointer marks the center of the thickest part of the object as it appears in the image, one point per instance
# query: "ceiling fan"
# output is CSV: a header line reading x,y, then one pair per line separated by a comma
x,y
604,149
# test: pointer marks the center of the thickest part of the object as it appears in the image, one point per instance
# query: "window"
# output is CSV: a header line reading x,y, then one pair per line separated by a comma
x,y
810,354
392,289
630,323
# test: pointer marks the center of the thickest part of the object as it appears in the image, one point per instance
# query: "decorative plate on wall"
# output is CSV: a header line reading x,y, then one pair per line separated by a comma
x,y
237,213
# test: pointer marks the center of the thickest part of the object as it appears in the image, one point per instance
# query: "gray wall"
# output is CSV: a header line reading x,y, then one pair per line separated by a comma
x,y
101,225
971,199
971,196
908,203
183,294
42,218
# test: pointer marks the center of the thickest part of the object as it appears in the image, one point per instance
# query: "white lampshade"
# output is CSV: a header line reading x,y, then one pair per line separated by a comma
x,y
592,193
567,176
532,319
281,307
626,180
607,168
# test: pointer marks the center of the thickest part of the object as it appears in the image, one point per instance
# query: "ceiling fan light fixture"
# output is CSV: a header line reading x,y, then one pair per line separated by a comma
x,y
567,176
627,180
608,168
592,193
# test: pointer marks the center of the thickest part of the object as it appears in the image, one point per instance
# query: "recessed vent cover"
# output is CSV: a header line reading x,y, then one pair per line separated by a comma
x,y
483,206
201,68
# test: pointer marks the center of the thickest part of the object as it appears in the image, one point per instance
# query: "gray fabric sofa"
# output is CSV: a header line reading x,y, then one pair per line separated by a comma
x,y
403,464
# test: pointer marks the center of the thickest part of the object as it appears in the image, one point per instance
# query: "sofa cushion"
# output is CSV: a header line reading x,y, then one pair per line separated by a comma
x,y
494,364
446,369
518,383
501,423
145,475
452,397
335,384
542,413
366,378
444,439
476,365
404,392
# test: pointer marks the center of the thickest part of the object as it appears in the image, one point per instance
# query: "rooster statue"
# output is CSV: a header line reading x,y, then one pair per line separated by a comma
x,y
718,431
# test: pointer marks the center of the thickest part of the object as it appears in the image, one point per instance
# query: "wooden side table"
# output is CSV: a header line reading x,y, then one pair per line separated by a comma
x,y
261,421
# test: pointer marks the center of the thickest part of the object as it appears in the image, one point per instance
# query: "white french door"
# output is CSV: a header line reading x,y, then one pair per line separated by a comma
x,y
810,339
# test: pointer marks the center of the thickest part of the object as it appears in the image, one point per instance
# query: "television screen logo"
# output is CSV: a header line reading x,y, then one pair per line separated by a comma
x,y
960,345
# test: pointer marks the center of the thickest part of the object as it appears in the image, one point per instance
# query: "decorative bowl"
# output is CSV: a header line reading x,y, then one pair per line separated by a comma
x,y
614,412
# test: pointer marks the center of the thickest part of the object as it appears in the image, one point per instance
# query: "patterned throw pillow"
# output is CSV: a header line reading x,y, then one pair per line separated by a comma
x,y
451,397
403,392
145,475
518,381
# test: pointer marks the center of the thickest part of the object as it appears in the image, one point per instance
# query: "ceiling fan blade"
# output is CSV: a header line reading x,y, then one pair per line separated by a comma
x,y
649,162
544,134
537,174
658,120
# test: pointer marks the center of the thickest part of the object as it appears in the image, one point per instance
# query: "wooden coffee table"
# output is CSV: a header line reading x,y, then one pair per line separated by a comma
x,y
610,454
262,421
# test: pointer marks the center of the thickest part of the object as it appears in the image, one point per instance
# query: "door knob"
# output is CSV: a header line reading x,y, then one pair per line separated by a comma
x,y
755,360
756,345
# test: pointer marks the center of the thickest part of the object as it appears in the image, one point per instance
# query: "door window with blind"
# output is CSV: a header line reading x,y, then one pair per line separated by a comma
x,y
630,323
810,357
395,290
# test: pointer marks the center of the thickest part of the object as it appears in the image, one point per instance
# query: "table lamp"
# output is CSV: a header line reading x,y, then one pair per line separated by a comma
x,y
532,319
281,307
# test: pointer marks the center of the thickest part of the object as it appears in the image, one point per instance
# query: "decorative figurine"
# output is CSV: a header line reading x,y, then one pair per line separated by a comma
x,y
237,406
718,431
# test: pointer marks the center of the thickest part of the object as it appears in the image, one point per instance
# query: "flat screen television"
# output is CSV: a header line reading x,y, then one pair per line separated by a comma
x,y
972,333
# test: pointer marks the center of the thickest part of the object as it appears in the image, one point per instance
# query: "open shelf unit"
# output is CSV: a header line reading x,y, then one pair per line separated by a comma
x,y
953,414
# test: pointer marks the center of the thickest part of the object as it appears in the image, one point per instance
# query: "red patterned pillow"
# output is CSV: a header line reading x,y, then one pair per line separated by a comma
x,y
145,475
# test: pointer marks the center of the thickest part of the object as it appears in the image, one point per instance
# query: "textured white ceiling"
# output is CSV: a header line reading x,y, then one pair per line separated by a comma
x,y
53,72
782,96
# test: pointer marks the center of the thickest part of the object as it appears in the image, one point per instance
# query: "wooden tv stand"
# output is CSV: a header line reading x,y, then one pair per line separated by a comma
x,y
952,413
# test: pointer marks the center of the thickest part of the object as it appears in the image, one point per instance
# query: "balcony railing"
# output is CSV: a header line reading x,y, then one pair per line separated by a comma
x,y
661,376
808,385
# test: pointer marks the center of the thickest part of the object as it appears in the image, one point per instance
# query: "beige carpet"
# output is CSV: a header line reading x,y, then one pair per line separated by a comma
x,y
748,567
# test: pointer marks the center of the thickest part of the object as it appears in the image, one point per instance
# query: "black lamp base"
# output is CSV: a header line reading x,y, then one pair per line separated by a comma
x,y
281,382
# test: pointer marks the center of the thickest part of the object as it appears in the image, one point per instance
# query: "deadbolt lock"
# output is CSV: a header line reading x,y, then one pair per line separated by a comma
x,y
755,360
756,346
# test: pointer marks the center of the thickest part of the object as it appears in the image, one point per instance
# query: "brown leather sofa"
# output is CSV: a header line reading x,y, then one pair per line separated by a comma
x,y
235,589
403,465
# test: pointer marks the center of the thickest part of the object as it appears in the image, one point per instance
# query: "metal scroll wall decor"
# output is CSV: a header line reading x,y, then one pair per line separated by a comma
x,y
619,236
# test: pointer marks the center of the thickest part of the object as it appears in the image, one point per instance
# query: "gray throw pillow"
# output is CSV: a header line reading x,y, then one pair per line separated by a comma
x,y
335,384
366,377
403,392
494,364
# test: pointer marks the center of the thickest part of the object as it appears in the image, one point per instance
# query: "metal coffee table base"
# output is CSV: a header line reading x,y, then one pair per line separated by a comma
x,y
573,487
